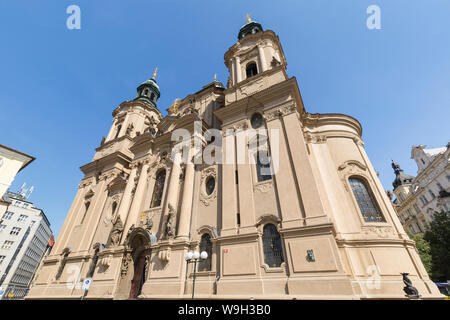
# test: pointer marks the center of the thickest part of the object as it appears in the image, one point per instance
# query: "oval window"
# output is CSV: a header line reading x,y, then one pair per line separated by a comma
x,y
210,185
256,120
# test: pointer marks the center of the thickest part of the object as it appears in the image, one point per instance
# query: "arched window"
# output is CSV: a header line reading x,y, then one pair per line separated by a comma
x,y
152,96
93,264
118,131
158,189
86,208
62,265
251,70
273,252
366,202
205,245
113,208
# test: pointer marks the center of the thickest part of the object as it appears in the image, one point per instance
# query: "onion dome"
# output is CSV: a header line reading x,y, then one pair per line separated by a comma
x,y
148,91
251,27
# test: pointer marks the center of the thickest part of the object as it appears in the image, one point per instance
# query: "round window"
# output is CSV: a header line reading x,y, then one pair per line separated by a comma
x,y
210,185
256,120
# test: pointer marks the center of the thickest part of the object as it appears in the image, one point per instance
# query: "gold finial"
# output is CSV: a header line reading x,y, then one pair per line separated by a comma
x,y
215,77
143,214
248,17
154,73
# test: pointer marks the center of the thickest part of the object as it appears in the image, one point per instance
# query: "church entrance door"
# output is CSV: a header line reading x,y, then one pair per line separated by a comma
x,y
139,275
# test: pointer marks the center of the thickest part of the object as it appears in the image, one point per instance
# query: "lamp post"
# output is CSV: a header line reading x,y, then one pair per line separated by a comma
x,y
194,257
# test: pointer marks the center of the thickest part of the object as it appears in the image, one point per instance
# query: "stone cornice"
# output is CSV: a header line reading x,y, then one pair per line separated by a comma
x,y
315,120
132,103
260,98
98,165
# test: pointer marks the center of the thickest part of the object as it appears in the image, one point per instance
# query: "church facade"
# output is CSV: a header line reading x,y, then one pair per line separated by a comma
x,y
313,222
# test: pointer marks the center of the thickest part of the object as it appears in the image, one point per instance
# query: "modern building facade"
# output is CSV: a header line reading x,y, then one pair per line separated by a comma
x,y
312,223
24,237
418,198
11,162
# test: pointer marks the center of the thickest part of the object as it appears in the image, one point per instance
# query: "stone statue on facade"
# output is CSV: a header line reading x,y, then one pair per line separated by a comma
x,y
170,230
409,289
116,231
130,129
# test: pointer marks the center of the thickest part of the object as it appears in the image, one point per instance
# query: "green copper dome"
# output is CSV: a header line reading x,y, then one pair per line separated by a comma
x,y
148,92
250,27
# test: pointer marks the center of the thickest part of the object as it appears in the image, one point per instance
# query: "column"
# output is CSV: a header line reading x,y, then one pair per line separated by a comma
x,y
229,194
172,191
137,200
287,190
124,205
186,202
262,58
238,69
312,203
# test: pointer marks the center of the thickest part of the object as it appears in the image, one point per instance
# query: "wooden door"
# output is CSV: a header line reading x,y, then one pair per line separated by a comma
x,y
138,277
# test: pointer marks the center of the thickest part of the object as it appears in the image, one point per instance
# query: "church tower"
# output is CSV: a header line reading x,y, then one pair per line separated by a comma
x,y
302,215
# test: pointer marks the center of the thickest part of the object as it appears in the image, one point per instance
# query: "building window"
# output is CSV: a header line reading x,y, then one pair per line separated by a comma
x,y
152,96
205,245
263,170
62,265
440,186
118,131
256,120
366,202
7,244
2,227
113,208
2,258
15,231
273,251
431,194
416,207
8,215
22,218
251,70
158,189
210,185
422,161
93,264
448,178
86,208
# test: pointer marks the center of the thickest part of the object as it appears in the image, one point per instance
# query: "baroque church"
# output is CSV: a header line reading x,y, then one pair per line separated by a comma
x,y
319,227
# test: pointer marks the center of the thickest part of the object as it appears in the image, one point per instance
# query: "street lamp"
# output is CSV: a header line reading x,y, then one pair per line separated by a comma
x,y
194,257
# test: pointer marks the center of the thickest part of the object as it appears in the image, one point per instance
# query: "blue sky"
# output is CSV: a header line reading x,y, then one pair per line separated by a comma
x,y
58,87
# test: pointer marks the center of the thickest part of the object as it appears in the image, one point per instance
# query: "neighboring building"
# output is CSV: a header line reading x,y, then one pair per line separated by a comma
x,y
418,198
24,237
313,223
11,162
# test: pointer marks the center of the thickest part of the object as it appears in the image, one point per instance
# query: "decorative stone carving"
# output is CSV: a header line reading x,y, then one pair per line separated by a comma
x,y
130,129
164,254
315,138
280,111
205,198
263,187
352,166
114,236
126,260
378,231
